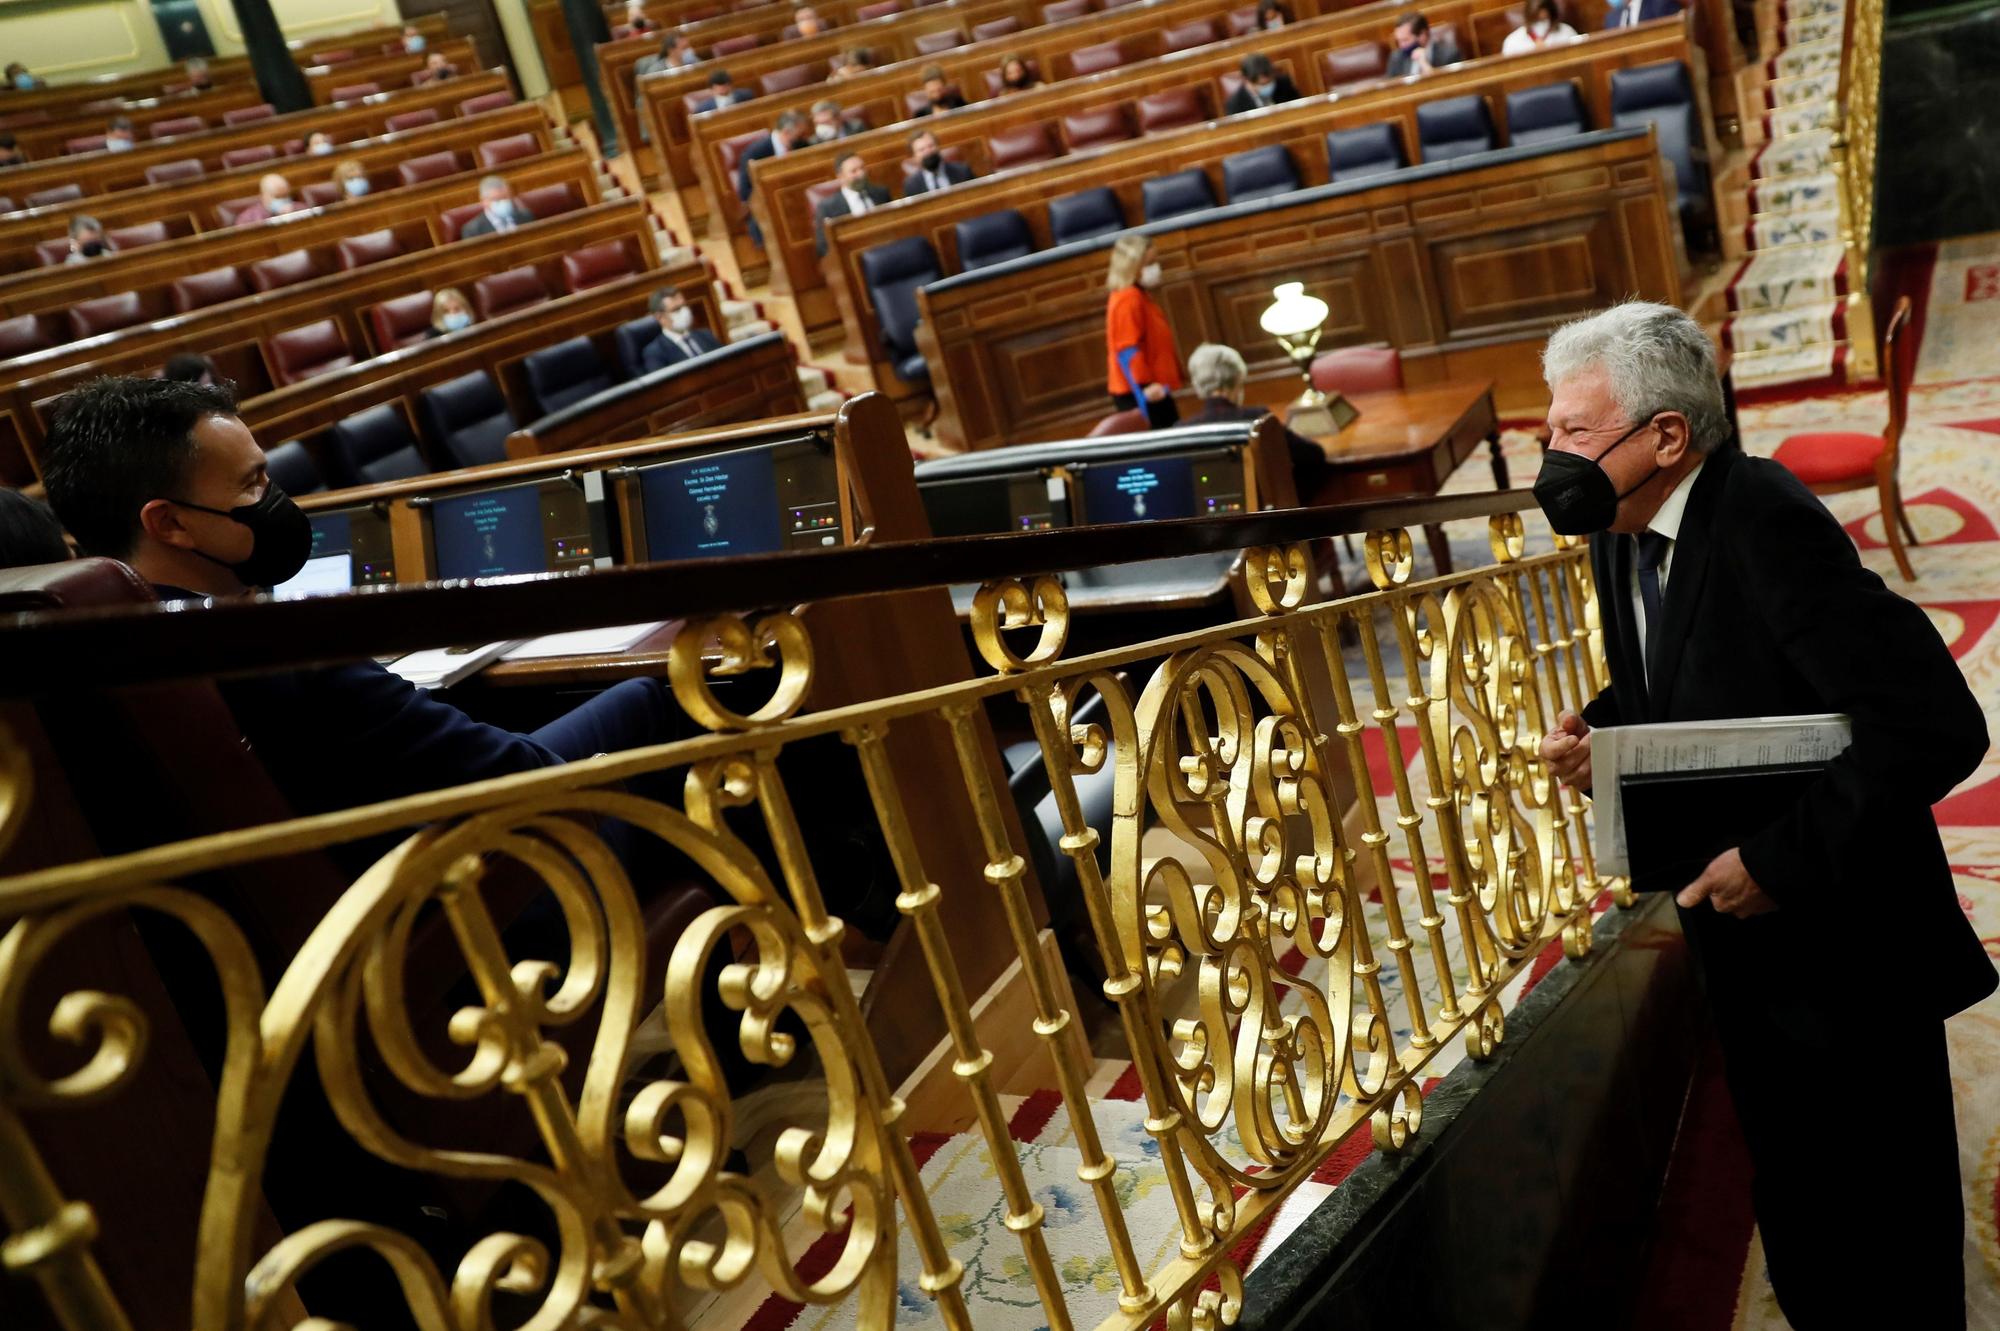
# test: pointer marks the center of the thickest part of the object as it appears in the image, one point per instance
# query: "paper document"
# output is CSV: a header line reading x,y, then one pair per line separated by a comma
x,y
584,642
441,667
1698,746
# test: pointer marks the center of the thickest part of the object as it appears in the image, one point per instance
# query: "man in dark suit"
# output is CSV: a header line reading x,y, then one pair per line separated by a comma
x,y
678,339
163,475
939,95
1262,85
857,194
829,123
1833,937
1218,373
792,131
722,91
1419,50
502,211
1639,11
932,172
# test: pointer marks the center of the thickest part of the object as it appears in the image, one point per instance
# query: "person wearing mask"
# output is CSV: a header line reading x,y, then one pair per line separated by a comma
x,y
320,144
437,68
86,240
20,80
857,194
1639,11
451,312
29,532
1218,374
849,64
1262,86
637,22
722,91
829,124
1419,50
932,172
198,76
676,52
1273,15
118,135
806,22
189,367
792,132
1541,25
678,339
352,178
413,41
1142,368
1015,76
938,94
165,476
274,199
502,211
10,151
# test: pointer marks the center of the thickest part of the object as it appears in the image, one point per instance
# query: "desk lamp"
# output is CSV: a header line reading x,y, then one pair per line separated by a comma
x,y
1295,319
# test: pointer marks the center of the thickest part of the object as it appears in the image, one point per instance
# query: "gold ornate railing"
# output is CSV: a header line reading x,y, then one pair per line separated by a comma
x,y
1280,979
1856,130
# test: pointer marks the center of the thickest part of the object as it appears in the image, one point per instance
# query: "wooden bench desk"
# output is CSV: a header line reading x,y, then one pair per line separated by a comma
x,y
44,142
388,72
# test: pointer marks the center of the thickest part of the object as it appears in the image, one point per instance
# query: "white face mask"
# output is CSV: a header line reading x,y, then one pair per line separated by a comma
x,y
357,186
826,133
681,319
456,320
114,144
281,204
322,150
1540,27
1149,276
413,44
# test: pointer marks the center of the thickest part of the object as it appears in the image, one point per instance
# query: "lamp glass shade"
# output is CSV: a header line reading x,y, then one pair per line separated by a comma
x,y
1293,314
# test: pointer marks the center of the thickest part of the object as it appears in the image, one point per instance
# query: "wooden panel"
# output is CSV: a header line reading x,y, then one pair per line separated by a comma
x,y
44,142
1499,281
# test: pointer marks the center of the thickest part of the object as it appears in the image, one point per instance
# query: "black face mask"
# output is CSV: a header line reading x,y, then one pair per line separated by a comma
x,y
281,537
932,161
91,249
1576,493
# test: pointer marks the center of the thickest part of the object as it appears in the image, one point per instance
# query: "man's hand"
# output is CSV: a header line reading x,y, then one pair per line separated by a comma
x,y
1155,392
1726,885
1566,750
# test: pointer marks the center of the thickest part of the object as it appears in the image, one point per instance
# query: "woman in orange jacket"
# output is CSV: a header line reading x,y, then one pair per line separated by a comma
x,y
1142,369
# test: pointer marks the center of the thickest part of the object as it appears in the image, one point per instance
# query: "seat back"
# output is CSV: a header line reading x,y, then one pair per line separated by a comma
x,y
243,115
1186,36
1021,145
453,221
284,270
933,42
1454,127
1258,174
21,335
1091,59
1662,95
1358,370
292,468
430,166
137,236
321,193
594,265
166,129
789,78
165,173
302,353
84,143
407,120
1062,10
200,290
373,247
1101,124
892,274
1365,150
1177,193
486,101
495,152
106,314
503,293
1083,215
546,201
373,446
250,156
43,198
1171,109
1356,63
401,321
1130,421
880,9
993,238
52,253
467,419
566,373
1028,63
632,337
729,46
354,92
1540,114
999,27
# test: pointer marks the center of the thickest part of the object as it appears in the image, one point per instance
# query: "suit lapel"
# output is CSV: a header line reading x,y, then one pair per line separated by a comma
x,y
1611,557
1686,575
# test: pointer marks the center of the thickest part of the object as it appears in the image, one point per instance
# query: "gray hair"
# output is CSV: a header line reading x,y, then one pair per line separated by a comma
x,y
1656,359
1216,370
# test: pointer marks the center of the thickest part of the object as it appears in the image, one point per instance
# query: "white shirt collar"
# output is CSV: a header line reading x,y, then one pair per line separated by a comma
x,y
1667,522
856,199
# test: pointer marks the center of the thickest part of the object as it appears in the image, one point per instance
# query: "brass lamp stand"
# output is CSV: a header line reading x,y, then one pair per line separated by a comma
x,y
1295,319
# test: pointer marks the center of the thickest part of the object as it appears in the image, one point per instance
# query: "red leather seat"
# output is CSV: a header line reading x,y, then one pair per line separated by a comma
x,y
881,9
1133,421
138,235
21,335
401,321
372,247
1063,10
993,88
106,314
407,120
201,290
933,42
321,193
243,115
819,193
999,27
250,156
1093,59
486,101
1186,36
789,78
1831,455
303,353
453,221
54,194
503,293
225,212
1171,110
339,57
430,166
1355,64
52,253
497,152
166,173
354,92
915,102
284,270
1102,124
594,265
84,143
1022,145
1358,370
1242,21
733,45
166,129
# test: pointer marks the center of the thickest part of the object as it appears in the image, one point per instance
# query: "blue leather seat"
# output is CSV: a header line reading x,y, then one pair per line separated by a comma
x,y
293,468
1182,192
993,238
1085,215
1365,150
566,372
467,419
1454,127
1258,174
1663,96
375,445
632,337
1538,115
892,273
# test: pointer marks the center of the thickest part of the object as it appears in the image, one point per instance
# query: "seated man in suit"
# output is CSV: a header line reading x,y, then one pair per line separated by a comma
x,y
1639,11
274,199
437,68
1263,85
164,476
1418,50
678,338
939,95
829,124
199,78
932,172
1218,373
792,131
849,64
119,135
503,212
857,194
722,91
86,239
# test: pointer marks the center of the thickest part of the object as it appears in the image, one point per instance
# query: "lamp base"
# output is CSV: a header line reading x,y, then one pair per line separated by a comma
x,y
1318,414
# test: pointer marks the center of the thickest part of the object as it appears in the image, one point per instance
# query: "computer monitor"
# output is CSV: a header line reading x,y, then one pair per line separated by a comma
x,y
323,575
362,534
534,527
1187,485
738,502
984,505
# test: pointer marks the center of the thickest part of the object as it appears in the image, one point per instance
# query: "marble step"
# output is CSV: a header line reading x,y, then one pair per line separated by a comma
x,y
673,256
1786,330
1816,364
1794,155
1803,118
813,380
1768,231
1812,58
1796,275
751,328
1801,90
1798,194
828,400
736,312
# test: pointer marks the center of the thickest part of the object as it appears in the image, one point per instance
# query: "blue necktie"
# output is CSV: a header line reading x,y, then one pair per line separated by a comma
x,y
1653,549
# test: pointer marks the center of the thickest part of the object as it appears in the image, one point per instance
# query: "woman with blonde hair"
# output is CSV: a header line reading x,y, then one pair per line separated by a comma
x,y
450,311
352,179
1142,368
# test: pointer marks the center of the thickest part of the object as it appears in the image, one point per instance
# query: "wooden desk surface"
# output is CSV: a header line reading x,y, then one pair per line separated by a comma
x,y
1396,426
648,656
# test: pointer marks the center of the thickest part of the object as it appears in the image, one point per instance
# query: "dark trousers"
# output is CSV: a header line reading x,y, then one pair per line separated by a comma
x,y
1847,1111
1160,415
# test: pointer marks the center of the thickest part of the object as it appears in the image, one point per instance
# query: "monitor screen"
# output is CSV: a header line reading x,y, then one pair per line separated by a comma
x,y
984,505
539,527
1184,486
741,502
322,575
363,535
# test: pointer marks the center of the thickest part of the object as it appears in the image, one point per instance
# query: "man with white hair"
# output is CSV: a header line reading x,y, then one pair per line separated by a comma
x,y
1830,943
1218,373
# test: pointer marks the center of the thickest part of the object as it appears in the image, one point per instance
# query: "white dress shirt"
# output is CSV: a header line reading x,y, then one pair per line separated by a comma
x,y
1667,523
857,202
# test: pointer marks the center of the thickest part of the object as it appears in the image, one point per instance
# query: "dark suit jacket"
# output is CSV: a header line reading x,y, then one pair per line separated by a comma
x,y
736,98
1309,464
482,225
659,353
1769,612
1444,51
954,173
1648,11
836,206
1282,90
951,101
765,146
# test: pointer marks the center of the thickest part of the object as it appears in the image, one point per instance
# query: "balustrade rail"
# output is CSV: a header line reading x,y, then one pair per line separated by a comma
x,y
1283,959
